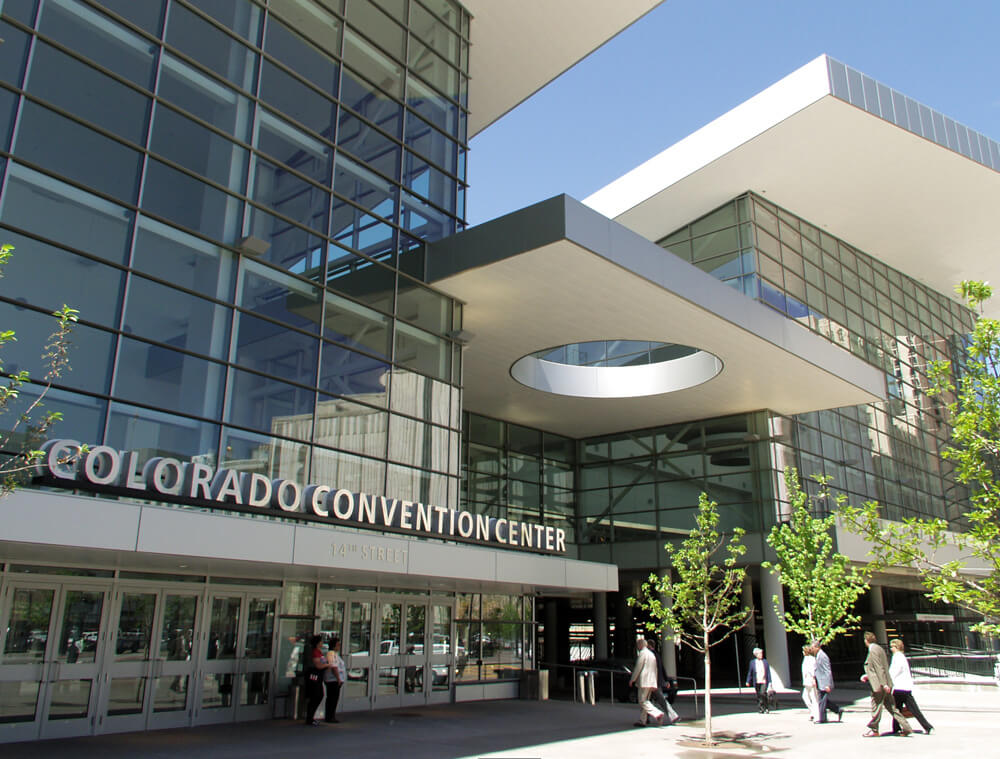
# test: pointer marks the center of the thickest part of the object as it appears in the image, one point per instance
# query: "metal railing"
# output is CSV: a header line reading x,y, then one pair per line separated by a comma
x,y
608,675
947,661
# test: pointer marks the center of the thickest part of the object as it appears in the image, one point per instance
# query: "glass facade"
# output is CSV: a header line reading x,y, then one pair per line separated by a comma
x,y
245,189
888,451
515,472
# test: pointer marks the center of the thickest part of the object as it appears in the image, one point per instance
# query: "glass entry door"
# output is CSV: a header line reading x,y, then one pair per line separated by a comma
x,y
440,664
149,663
235,672
413,664
51,660
357,654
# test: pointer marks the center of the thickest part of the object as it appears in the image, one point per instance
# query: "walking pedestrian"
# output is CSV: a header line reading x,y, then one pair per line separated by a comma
x,y
877,676
759,678
810,693
824,685
902,687
644,678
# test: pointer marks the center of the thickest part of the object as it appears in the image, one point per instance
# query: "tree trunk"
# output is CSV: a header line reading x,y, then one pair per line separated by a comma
x,y
708,693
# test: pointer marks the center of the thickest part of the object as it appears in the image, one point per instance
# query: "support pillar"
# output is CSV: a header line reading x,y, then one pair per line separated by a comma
x,y
601,626
878,614
775,637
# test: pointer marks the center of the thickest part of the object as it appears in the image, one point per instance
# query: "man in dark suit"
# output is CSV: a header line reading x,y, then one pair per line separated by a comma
x,y
877,676
824,684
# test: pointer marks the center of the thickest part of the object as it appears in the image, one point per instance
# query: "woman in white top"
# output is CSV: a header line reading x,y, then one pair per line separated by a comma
x,y
902,686
810,693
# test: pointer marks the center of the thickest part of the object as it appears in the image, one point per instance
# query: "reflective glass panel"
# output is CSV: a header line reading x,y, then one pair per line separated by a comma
x,y
353,375
355,326
88,223
69,699
268,292
135,627
217,690
177,381
170,693
18,700
266,404
391,619
260,629
388,681
28,627
205,97
274,457
156,433
90,95
190,203
350,427
359,636
176,318
416,617
265,346
207,153
69,149
211,47
184,260
47,276
125,695
223,628
255,688
357,473
81,629
97,37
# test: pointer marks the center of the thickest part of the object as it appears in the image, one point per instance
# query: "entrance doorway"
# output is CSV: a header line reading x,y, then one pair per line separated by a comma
x,y
397,649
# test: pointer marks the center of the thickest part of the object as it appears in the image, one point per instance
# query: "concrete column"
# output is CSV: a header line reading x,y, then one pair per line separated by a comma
x,y
775,637
600,626
668,652
878,610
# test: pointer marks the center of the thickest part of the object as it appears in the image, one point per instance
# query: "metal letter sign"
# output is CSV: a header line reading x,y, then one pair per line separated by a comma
x,y
100,468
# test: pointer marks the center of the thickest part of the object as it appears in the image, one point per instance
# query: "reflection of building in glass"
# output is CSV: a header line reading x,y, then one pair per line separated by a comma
x,y
266,203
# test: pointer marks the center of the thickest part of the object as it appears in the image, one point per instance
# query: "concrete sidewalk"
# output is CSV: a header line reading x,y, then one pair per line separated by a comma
x,y
964,725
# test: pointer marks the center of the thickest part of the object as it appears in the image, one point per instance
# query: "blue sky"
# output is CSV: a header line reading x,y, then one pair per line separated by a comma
x,y
689,61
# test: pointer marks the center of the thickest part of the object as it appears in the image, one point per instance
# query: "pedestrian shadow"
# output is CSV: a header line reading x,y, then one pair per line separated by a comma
x,y
727,743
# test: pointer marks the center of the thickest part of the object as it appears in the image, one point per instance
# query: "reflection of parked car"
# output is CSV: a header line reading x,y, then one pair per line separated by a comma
x,y
128,642
90,639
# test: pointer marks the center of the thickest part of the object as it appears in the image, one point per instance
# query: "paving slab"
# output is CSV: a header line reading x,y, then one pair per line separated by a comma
x,y
964,720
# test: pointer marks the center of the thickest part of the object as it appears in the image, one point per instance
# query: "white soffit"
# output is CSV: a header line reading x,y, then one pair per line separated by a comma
x,y
564,292
919,207
519,46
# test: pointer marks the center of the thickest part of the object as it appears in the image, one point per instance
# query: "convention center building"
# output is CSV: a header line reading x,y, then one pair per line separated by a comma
x,y
305,398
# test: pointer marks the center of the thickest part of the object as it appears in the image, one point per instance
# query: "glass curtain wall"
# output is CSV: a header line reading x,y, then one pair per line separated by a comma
x,y
888,451
245,189
494,636
640,489
515,472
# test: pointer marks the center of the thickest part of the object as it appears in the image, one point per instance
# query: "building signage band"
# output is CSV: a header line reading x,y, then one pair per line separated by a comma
x,y
100,468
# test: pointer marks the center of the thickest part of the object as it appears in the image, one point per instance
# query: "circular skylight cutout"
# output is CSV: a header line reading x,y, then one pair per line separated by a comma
x,y
615,368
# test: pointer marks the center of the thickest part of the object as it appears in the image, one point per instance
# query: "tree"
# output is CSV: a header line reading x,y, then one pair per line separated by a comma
x,y
705,606
29,428
958,562
822,584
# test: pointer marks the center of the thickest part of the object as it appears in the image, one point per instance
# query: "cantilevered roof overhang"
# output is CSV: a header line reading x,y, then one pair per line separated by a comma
x,y
519,46
558,272
898,180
